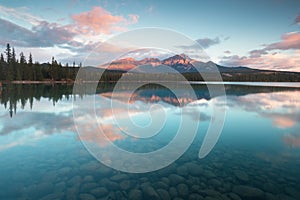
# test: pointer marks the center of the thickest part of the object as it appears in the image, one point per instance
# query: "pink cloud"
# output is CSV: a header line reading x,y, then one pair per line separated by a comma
x,y
110,132
267,58
275,61
292,140
288,41
133,18
271,107
284,122
99,20
297,20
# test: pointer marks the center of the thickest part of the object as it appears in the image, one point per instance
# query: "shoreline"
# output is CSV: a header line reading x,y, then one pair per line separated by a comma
x,y
40,82
149,81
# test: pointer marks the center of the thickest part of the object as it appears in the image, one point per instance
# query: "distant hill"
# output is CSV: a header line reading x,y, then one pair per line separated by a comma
x,y
190,68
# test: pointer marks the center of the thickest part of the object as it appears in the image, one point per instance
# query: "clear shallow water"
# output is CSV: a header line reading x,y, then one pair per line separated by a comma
x,y
256,157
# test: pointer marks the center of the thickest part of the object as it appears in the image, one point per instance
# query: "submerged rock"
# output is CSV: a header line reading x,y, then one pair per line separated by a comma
x,y
109,184
90,166
125,185
173,192
234,196
99,191
86,197
292,192
182,170
269,196
64,170
182,190
150,193
242,176
211,193
119,195
74,181
88,186
88,179
176,179
161,185
209,174
119,177
195,196
135,194
163,194
248,191
196,188
71,193
285,197
165,180
270,187
194,169
211,198
44,188
104,171
215,183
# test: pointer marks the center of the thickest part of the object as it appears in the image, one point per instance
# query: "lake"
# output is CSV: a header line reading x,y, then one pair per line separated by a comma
x,y
45,155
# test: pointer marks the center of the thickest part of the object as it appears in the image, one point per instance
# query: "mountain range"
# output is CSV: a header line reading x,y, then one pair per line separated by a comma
x,y
190,68
181,63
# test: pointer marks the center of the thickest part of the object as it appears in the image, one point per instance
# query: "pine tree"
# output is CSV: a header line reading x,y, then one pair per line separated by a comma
x,y
67,71
2,65
2,58
74,71
8,53
23,67
38,71
54,70
14,67
11,58
8,68
30,68
59,74
30,62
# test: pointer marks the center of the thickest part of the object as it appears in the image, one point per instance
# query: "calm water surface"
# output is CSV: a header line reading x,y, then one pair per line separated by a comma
x,y
256,157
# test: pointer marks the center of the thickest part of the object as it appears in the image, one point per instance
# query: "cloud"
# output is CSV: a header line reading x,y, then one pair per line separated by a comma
x,y
110,134
44,34
282,55
133,19
292,140
227,52
20,14
81,32
257,53
150,9
99,20
297,20
203,42
281,107
274,61
284,122
195,115
208,42
48,34
14,34
288,41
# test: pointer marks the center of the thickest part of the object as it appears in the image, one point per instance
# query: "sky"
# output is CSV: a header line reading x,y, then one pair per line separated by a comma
x,y
259,34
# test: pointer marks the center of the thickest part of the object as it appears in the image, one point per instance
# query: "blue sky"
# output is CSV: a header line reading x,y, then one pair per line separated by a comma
x,y
260,34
